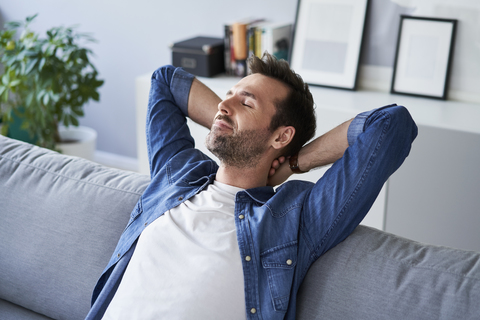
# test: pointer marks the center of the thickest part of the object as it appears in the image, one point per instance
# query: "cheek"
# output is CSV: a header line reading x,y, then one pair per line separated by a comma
x,y
254,120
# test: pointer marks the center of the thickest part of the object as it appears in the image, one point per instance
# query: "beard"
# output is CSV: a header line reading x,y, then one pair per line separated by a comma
x,y
240,150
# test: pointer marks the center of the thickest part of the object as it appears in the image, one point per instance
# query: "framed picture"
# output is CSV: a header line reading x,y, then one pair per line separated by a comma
x,y
424,56
327,41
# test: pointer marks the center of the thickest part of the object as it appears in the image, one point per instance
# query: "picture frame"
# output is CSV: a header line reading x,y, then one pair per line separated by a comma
x,y
423,58
327,41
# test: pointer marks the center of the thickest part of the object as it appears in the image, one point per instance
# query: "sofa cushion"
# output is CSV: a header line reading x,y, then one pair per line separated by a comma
x,y
10,311
376,275
60,220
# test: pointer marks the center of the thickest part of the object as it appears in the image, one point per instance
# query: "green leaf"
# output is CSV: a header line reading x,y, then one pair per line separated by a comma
x,y
30,19
41,64
15,83
5,96
65,120
95,96
74,120
31,53
46,99
30,65
40,95
4,129
6,79
13,24
78,111
29,99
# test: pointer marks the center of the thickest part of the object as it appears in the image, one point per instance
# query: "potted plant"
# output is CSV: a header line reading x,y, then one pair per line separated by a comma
x,y
45,81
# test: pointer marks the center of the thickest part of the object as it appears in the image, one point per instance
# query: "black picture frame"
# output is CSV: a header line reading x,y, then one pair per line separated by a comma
x,y
424,55
327,42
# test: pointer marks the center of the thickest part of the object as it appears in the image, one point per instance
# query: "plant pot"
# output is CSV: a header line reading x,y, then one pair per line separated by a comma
x,y
77,141
15,130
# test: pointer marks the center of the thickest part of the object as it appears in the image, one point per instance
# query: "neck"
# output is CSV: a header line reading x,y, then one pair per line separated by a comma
x,y
245,178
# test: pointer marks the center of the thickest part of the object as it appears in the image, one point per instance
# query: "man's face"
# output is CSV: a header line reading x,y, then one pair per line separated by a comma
x,y
240,132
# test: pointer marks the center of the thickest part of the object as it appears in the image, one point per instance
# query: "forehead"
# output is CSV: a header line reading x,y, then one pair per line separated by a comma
x,y
265,89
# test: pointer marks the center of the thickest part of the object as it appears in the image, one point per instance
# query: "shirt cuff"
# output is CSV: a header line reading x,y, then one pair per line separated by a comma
x,y
357,126
180,88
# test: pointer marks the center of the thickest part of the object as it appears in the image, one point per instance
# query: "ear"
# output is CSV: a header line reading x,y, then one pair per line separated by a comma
x,y
282,137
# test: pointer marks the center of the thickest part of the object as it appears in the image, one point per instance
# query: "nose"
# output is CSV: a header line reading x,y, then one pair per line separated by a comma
x,y
225,107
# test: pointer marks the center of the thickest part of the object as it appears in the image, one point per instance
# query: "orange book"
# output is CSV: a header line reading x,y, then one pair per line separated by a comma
x,y
240,48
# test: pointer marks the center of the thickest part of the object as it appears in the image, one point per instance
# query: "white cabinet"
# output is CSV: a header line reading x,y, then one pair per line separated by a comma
x,y
434,197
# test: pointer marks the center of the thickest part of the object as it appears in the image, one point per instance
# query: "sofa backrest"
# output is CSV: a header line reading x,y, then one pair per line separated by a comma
x,y
60,220
376,275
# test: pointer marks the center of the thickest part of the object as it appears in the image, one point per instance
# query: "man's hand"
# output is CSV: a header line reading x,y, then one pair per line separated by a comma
x,y
279,172
322,151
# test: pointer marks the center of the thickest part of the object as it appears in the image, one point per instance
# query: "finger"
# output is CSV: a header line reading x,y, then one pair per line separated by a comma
x,y
275,164
271,172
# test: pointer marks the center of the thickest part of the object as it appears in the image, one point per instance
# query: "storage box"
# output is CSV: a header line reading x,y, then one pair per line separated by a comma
x,y
201,56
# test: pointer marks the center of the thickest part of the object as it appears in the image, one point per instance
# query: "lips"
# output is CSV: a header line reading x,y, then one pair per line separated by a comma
x,y
223,122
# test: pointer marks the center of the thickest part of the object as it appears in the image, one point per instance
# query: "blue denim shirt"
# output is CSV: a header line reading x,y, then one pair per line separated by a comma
x,y
280,233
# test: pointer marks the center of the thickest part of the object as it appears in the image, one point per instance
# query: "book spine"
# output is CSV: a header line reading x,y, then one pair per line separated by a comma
x,y
240,47
258,42
251,41
226,40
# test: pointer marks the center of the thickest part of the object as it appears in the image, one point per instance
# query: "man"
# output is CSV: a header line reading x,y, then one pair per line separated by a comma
x,y
215,242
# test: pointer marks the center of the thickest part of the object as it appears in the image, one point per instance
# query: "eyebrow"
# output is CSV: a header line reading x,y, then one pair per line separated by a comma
x,y
244,93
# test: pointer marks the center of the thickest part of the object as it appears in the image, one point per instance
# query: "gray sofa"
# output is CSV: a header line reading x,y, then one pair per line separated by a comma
x,y
60,219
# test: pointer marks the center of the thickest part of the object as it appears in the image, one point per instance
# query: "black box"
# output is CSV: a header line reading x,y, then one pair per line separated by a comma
x,y
201,56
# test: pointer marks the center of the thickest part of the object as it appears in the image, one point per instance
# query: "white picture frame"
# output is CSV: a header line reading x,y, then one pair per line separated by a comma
x,y
327,41
424,57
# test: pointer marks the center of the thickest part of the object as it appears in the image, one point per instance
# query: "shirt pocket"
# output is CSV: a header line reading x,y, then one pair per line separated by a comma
x,y
279,264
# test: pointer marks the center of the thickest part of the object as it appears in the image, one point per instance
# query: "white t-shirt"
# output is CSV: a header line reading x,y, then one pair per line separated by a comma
x,y
186,264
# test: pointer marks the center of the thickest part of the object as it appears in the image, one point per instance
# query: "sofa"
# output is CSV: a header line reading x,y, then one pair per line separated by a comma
x,y
61,217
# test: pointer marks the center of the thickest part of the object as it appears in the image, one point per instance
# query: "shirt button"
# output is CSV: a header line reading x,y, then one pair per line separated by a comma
x,y
248,258
118,255
289,262
241,217
253,310
180,198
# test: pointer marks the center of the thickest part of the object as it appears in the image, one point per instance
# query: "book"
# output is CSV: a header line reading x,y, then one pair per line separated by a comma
x,y
234,65
240,48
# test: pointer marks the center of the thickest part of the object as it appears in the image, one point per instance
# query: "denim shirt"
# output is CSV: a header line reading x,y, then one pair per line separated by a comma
x,y
280,232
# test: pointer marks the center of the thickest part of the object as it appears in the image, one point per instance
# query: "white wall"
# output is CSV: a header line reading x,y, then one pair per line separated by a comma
x,y
134,37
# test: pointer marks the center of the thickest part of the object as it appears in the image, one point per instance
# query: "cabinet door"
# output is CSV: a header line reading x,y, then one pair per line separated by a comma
x,y
435,196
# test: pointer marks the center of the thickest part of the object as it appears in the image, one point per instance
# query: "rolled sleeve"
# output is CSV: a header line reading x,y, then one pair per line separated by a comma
x,y
180,88
357,126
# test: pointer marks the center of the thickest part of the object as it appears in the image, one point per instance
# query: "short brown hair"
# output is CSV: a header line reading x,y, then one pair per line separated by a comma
x,y
297,109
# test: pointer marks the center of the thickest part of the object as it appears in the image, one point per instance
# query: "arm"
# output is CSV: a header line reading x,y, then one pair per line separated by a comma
x,y
378,143
174,95
166,126
325,149
202,104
